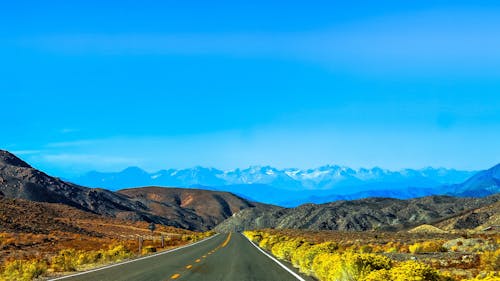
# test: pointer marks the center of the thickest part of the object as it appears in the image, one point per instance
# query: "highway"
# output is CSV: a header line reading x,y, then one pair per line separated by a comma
x,y
228,257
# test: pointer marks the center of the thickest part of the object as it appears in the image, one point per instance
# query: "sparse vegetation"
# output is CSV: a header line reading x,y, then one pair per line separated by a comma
x,y
376,256
26,256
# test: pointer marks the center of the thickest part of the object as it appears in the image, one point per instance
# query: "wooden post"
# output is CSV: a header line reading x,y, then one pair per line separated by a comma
x,y
162,241
140,245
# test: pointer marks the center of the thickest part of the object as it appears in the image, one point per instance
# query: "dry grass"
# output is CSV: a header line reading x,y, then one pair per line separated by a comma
x,y
40,238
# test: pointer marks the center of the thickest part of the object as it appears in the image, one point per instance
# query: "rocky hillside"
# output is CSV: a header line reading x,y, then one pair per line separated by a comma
x,y
20,181
18,215
478,219
365,214
187,208
192,208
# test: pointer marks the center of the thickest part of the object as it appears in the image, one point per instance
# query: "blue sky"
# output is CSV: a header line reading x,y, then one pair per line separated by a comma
x,y
87,85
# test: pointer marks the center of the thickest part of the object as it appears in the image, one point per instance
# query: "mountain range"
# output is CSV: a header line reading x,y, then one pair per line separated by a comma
x,y
196,209
387,214
291,187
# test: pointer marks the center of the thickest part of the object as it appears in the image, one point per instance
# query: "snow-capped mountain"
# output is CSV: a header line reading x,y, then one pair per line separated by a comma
x,y
292,187
321,178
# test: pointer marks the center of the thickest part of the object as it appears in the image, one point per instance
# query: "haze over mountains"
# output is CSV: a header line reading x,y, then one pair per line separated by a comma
x,y
196,209
266,184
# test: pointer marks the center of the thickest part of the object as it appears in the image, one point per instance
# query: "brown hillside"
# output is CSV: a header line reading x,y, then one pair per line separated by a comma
x,y
191,206
185,208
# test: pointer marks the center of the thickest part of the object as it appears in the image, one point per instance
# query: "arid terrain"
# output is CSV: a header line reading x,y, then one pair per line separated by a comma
x,y
423,253
50,227
38,233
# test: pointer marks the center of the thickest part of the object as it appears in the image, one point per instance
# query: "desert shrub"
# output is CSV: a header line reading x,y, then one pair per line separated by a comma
x,y
299,253
20,270
88,257
117,253
392,250
284,250
366,249
305,260
71,260
414,271
348,266
148,250
66,260
427,247
490,260
490,276
378,275
406,271
324,265
268,242
206,234
255,236
186,238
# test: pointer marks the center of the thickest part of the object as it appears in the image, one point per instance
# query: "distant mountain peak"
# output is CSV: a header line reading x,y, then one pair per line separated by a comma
x,y
134,169
8,158
496,170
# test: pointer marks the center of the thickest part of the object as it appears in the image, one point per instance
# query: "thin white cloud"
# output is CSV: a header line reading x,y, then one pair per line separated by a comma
x,y
76,143
25,152
89,159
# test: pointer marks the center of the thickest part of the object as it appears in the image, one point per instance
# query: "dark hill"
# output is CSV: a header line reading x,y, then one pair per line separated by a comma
x,y
360,215
20,181
187,208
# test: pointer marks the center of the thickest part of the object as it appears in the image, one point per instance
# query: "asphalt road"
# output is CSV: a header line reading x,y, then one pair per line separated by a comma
x,y
228,257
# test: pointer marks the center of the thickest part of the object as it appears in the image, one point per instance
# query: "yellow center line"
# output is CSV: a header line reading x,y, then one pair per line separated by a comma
x,y
175,276
189,267
227,240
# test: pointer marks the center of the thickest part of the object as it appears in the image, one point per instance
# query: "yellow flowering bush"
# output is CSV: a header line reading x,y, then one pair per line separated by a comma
x,y
378,275
71,260
306,258
414,271
427,247
21,270
284,250
406,271
490,260
347,266
491,276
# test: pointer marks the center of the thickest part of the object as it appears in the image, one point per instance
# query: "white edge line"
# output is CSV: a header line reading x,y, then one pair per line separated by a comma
x,y
134,260
276,261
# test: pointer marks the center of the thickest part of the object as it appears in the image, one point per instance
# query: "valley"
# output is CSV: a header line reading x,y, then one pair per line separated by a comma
x,y
50,227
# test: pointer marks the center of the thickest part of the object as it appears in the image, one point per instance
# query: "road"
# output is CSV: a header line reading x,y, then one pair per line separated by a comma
x,y
228,257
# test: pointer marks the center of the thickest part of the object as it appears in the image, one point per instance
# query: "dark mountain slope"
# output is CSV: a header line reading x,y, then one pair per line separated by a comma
x,y
365,214
187,208
19,180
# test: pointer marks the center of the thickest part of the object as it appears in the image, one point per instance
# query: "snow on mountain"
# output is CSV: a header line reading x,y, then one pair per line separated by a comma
x,y
291,187
321,178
